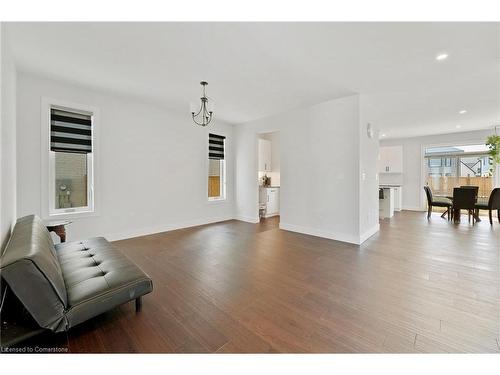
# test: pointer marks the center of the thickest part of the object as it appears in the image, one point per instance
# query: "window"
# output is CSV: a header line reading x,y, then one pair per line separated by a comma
x,y
457,165
68,159
435,162
216,167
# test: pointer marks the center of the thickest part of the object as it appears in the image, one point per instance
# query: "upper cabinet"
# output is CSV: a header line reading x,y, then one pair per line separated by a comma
x,y
265,155
391,159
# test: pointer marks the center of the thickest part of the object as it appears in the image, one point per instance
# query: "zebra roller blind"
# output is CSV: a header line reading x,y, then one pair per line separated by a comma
x,y
70,132
216,146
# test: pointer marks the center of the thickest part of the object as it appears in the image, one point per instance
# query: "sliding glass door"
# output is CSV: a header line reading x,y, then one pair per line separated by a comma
x,y
455,166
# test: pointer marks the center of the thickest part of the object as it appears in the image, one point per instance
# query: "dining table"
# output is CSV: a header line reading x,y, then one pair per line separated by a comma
x,y
456,215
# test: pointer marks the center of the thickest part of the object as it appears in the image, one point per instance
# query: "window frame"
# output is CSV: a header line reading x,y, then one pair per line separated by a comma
x,y
48,163
223,169
423,154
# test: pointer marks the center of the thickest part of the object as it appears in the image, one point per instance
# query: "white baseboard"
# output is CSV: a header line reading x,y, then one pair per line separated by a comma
x,y
248,219
272,215
164,228
413,208
369,233
320,233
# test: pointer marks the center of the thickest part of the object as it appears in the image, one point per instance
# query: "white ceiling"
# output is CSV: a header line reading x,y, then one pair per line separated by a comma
x,y
258,69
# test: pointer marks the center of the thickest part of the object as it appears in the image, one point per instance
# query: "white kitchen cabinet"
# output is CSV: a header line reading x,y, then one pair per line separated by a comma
x,y
391,159
265,155
398,198
386,204
271,198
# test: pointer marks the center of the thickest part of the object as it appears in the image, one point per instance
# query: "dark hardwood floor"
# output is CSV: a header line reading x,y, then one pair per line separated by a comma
x,y
417,286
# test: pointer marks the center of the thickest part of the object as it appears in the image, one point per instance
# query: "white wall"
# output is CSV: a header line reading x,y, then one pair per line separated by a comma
x,y
246,174
153,163
411,179
368,174
7,139
320,164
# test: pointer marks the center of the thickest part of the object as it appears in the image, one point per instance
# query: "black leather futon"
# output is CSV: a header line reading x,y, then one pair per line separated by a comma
x,y
65,284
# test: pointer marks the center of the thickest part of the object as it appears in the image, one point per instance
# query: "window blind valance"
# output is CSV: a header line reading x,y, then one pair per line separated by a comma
x,y
216,146
70,132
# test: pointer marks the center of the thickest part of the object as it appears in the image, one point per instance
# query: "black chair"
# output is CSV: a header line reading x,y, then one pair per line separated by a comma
x,y
472,187
464,199
492,204
476,190
437,202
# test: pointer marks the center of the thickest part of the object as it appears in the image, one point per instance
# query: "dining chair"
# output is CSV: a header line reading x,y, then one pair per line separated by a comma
x,y
464,199
476,190
472,187
437,202
493,203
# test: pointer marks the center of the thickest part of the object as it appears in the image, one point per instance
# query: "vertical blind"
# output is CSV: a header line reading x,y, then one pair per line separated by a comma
x,y
216,146
70,132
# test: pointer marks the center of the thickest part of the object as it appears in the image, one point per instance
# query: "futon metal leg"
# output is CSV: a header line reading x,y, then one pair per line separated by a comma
x,y
138,304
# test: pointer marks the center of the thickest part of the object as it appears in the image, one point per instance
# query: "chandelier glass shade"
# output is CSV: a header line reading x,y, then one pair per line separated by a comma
x,y
204,115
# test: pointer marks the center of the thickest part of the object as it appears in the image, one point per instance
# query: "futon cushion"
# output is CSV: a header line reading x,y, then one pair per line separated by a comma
x,y
66,284
98,277
30,267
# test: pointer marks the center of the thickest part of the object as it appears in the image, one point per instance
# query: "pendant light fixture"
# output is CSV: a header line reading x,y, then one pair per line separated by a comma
x,y
205,113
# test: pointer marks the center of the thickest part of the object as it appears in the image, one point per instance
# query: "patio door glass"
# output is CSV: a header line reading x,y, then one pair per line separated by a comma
x,y
455,166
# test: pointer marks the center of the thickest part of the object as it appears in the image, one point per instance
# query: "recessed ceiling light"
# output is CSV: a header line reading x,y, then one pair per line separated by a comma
x,y
382,135
458,126
442,56
463,111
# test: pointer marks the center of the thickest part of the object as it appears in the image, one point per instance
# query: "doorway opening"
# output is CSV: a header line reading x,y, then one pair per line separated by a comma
x,y
269,151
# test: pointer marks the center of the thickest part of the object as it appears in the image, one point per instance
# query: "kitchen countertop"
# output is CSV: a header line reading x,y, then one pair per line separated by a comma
x,y
269,187
389,185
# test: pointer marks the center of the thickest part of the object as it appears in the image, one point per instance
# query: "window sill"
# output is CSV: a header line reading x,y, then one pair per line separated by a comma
x,y
216,200
70,215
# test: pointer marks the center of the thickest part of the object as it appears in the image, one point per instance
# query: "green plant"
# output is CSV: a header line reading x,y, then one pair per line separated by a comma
x,y
493,143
